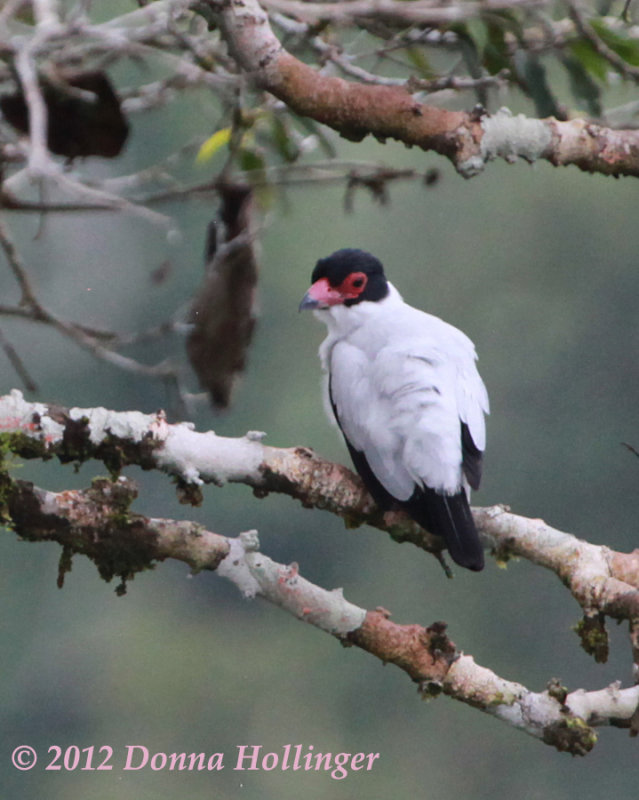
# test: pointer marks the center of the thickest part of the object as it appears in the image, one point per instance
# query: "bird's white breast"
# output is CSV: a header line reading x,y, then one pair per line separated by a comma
x,y
402,381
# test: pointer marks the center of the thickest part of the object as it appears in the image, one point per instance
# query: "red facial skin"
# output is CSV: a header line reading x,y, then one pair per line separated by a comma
x,y
326,295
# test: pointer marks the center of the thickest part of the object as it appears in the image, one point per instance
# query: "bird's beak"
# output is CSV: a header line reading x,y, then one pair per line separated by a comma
x,y
308,302
321,295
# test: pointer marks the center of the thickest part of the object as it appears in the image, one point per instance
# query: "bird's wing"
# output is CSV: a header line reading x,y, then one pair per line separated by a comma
x,y
363,412
472,403
472,400
403,406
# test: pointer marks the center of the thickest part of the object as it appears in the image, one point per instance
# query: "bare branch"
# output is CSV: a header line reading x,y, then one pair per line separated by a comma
x,y
469,140
605,583
97,522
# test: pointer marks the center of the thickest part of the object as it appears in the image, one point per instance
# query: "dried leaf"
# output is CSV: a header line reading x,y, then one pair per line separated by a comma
x,y
223,311
84,115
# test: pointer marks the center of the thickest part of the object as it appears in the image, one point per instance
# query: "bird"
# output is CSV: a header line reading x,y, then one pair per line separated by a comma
x,y
404,389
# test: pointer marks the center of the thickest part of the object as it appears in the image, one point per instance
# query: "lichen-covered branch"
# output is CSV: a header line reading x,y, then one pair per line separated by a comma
x,y
604,582
192,458
469,139
98,523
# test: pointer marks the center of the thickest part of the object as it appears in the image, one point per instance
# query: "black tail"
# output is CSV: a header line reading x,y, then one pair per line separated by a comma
x,y
449,516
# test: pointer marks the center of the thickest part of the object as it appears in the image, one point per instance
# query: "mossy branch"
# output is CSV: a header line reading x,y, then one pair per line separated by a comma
x,y
97,522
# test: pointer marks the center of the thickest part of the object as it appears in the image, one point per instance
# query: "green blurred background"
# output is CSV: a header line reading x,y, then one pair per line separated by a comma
x,y
538,266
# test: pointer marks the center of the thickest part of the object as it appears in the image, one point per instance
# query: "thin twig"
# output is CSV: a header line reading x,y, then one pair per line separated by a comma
x,y
333,54
17,363
18,268
457,83
394,12
164,370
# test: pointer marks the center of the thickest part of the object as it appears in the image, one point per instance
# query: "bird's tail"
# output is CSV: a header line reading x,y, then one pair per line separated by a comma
x,y
450,517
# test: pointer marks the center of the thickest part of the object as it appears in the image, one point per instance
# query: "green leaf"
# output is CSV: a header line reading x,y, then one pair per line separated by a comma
x,y
470,52
477,33
251,159
625,47
583,87
496,55
532,74
418,59
253,163
590,59
283,141
504,20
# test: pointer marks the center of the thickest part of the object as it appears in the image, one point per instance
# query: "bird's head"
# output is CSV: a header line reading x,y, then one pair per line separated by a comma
x,y
346,278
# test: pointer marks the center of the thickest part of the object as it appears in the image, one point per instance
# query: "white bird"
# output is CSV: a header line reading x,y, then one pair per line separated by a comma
x,y
404,389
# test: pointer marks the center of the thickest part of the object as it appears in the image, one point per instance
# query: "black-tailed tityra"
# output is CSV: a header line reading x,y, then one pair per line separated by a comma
x,y
405,391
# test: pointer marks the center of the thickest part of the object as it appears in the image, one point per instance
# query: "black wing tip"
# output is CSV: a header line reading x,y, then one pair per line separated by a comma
x,y
450,517
463,544
474,561
472,458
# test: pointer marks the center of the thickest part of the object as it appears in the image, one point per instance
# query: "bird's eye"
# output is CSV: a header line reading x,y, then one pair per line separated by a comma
x,y
353,285
356,281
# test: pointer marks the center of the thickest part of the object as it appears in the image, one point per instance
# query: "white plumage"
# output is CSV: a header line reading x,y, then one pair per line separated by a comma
x,y
402,384
402,381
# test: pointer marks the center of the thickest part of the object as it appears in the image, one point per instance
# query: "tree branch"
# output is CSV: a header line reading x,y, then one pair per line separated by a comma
x,y
605,583
97,522
468,139
392,12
